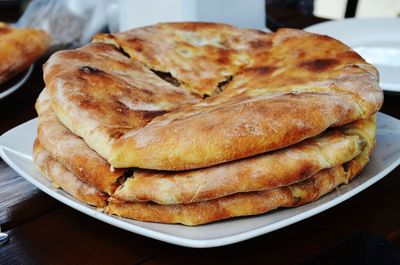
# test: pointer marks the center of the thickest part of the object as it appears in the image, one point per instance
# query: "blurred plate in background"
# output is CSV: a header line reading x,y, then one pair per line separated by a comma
x,y
14,83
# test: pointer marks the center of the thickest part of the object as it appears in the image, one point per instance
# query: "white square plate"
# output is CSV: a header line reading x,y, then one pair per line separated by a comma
x,y
16,150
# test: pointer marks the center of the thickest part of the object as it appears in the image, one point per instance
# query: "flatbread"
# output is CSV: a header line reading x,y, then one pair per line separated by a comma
x,y
100,94
265,171
19,48
239,204
262,172
73,152
282,94
200,56
251,203
61,177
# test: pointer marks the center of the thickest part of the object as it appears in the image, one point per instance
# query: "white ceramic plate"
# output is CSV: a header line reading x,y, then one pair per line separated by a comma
x,y
377,40
16,150
16,82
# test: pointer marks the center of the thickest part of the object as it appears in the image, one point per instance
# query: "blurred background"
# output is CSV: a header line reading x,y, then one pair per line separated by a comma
x,y
336,9
316,10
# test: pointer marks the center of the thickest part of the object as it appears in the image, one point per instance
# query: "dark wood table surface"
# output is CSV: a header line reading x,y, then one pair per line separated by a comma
x,y
44,231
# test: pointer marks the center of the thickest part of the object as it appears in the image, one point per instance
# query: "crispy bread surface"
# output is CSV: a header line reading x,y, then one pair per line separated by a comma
x,y
100,94
265,171
61,177
262,172
281,94
72,152
251,203
201,56
239,204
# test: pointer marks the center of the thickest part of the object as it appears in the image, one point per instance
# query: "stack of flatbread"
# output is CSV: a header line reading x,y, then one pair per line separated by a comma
x,y
19,48
196,122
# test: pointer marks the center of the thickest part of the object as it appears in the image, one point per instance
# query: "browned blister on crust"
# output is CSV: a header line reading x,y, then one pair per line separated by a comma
x,y
250,121
277,90
72,152
100,94
299,62
266,171
200,55
207,135
19,48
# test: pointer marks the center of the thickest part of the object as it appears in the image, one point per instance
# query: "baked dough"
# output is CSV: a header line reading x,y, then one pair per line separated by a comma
x,y
72,152
100,94
197,122
239,204
284,91
201,56
251,203
61,177
19,48
262,172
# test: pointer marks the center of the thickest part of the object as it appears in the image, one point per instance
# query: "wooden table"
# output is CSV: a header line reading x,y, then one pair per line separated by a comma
x,y
44,231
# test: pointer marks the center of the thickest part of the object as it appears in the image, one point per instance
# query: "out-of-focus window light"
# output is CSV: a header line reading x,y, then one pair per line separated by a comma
x,y
335,9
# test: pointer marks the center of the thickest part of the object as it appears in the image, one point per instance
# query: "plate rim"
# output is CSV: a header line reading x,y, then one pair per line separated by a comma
x,y
18,85
174,239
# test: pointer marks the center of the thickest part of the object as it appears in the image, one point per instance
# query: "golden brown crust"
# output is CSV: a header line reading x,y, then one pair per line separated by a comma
x,y
240,204
19,48
255,202
311,63
283,94
207,135
135,98
266,171
262,172
62,177
100,94
367,130
72,152
251,203
200,55
332,74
